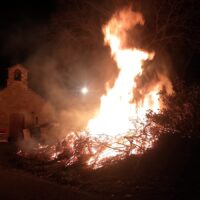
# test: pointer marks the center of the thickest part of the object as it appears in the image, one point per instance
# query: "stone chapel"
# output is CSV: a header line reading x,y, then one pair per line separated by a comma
x,y
20,106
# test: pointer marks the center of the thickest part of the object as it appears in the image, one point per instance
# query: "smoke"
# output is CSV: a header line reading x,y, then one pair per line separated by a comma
x,y
66,63
73,55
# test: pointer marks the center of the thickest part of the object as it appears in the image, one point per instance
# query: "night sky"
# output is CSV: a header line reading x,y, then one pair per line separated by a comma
x,y
17,21
69,32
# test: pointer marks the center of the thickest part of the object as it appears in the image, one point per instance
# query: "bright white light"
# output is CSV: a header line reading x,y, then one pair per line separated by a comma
x,y
84,90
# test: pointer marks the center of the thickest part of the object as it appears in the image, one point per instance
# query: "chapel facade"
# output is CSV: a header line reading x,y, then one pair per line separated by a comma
x,y
20,106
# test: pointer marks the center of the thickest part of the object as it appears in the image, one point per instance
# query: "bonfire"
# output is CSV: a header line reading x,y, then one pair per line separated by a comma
x,y
120,127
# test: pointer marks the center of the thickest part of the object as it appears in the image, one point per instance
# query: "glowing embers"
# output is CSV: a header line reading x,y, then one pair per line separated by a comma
x,y
94,151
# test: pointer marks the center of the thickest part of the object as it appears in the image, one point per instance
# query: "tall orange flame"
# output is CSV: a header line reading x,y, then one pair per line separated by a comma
x,y
116,111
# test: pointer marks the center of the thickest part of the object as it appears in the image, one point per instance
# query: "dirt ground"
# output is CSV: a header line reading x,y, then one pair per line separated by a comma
x,y
170,171
17,184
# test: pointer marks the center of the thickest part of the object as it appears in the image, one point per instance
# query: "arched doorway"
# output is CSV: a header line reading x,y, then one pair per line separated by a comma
x,y
16,126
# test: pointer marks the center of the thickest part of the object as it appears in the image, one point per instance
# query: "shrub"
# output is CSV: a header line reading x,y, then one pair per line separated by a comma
x,y
181,112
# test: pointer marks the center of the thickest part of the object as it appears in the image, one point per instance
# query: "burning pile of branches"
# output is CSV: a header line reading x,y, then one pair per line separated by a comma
x,y
94,152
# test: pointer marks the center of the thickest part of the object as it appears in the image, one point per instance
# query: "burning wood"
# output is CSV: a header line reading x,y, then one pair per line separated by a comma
x,y
93,151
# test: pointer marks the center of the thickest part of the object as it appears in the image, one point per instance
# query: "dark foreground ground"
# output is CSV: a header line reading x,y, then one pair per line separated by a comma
x,y
18,184
169,171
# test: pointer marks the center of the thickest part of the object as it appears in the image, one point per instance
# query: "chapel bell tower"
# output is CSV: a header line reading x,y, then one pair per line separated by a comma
x,y
17,76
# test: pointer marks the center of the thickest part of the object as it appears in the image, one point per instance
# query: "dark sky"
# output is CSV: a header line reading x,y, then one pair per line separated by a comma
x,y
26,26
19,21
